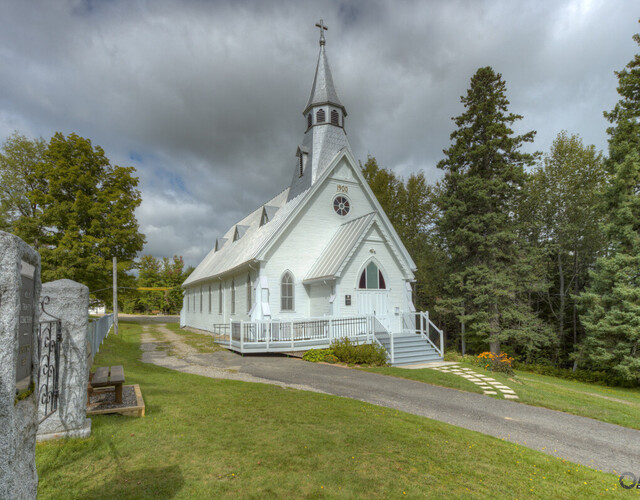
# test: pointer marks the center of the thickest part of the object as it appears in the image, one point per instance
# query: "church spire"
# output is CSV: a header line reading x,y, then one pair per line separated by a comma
x,y
324,136
323,90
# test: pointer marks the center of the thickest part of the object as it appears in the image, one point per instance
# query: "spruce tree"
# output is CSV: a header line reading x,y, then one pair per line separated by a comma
x,y
611,306
481,192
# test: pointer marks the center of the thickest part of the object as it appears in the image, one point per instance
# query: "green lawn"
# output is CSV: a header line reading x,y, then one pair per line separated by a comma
x,y
206,438
610,404
201,342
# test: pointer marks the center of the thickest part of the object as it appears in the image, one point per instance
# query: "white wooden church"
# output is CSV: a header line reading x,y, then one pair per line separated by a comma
x,y
318,261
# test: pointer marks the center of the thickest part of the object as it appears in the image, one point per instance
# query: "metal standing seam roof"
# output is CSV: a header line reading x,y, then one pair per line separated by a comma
x,y
339,248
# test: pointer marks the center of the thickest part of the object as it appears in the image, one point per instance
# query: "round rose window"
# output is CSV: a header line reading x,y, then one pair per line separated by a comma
x,y
341,205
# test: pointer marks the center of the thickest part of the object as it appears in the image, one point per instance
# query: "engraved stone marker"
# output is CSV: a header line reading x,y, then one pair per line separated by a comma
x,y
24,367
19,299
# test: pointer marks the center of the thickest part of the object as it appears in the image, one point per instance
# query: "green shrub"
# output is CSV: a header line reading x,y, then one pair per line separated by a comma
x,y
318,355
588,376
359,354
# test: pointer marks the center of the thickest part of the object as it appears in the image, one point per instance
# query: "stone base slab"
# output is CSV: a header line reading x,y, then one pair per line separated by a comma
x,y
83,432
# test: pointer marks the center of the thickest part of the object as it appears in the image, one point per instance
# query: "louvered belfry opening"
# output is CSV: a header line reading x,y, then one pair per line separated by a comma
x,y
335,118
309,120
320,116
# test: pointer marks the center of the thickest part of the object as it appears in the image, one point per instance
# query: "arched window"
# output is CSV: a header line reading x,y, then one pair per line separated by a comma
x,y
371,278
286,292
309,120
248,292
233,297
320,116
335,117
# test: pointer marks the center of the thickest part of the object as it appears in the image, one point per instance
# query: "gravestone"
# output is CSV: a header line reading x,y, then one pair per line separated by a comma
x,y
19,311
69,301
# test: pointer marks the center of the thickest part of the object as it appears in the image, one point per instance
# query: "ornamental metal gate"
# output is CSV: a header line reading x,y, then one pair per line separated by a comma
x,y
49,342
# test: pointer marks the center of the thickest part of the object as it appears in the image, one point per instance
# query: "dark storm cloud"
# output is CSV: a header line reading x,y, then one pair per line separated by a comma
x,y
205,98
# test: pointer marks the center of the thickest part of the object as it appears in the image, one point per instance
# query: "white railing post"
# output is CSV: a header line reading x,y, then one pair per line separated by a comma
x,y
392,347
422,325
330,330
291,333
241,338
267,335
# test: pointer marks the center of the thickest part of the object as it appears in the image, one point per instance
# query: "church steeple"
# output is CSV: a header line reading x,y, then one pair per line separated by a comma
x,y
323,90
324,136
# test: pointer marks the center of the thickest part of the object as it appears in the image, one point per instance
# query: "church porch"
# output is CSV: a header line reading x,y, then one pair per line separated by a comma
x,y
419,340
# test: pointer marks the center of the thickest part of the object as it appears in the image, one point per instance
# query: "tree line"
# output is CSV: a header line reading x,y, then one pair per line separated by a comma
x,y
536,255
64,198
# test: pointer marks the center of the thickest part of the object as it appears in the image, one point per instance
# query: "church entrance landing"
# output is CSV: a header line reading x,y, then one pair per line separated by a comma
x,y
412,345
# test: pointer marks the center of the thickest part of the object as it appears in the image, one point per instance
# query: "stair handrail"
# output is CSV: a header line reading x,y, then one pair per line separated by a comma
x,y
374,321
424,315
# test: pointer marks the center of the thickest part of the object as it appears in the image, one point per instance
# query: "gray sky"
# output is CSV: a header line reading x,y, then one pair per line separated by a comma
x,y
205,98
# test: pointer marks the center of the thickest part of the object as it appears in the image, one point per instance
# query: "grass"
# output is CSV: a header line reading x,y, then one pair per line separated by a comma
x,y
614,405
201,342
207,438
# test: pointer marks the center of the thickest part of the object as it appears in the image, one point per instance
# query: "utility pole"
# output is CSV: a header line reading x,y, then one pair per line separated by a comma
x,y
115,296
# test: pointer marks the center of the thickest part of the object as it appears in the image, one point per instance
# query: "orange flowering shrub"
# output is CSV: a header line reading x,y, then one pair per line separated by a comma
x,y
495,362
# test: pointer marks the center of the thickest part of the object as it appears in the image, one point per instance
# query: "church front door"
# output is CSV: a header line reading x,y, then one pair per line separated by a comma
x,y
376,303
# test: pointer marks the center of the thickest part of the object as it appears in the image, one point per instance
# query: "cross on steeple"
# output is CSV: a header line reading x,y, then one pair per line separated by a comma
x,y
323,28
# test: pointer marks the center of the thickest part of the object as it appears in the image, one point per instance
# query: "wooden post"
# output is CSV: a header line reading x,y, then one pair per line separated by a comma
x,y
115,296
241,338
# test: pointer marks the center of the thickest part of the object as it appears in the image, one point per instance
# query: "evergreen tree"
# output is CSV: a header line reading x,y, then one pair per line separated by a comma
x,y
611,308
564,222
491,265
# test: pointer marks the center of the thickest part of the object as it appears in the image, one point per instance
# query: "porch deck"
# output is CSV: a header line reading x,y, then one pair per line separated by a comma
x,y
300,335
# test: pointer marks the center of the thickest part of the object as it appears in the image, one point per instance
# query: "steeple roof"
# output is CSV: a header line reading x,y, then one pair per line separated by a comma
x,y
323,90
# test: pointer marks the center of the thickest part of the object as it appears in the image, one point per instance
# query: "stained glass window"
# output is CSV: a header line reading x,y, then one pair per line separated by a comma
x,y
371,278
341,205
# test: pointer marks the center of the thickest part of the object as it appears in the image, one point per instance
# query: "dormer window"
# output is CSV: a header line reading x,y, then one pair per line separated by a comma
x,y
335,118
309,120
320,116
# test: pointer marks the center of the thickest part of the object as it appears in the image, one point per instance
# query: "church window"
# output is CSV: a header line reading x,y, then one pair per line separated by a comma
x,y
187,300
248,293
209,299
320,116
371,278
233,297
286,292
200,299
309,119
301,165
220,298
335,117
341,205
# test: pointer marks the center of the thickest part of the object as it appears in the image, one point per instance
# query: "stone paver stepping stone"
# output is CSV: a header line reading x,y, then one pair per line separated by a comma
x,y
490,386
490,392
508,391
510,396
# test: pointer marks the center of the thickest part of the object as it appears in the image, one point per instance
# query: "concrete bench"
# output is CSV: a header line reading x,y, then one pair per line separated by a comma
x,y
106,377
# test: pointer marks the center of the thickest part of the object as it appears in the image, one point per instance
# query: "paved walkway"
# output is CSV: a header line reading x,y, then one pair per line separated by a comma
x,y
489,386
578,439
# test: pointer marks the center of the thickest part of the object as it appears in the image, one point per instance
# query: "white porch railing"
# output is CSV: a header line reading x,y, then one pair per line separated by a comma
x,y
419,323
294,335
